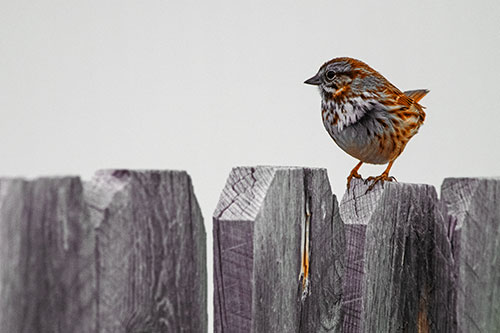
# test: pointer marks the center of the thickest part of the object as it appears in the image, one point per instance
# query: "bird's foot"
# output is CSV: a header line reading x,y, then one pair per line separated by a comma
x,y
384,177
353,174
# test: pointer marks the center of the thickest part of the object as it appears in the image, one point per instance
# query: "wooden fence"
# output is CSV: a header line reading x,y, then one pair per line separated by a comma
x,y
288,258
126,252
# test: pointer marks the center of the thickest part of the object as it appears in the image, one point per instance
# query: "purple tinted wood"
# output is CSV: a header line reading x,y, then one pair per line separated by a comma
x,y
356,209
125,252
398,277
233,231
473,206
259,233
398,260
150,252
46,255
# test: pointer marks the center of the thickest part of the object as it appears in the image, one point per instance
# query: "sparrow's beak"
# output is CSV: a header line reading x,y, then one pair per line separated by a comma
x,y
315,81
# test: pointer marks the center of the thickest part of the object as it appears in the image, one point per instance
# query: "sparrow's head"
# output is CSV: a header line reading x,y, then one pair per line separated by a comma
x,y
345,75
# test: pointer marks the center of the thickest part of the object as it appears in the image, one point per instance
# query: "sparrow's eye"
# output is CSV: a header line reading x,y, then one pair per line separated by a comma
x,y
330,75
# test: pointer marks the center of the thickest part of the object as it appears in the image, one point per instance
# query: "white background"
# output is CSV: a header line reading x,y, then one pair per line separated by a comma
x,y
205,86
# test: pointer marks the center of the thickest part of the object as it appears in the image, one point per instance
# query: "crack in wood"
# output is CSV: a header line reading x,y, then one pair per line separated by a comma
x,y
305,249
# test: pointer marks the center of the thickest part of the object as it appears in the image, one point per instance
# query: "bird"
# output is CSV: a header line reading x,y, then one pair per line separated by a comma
x,y
366,115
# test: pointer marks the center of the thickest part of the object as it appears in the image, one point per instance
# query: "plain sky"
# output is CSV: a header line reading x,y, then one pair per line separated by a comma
x,y
205,86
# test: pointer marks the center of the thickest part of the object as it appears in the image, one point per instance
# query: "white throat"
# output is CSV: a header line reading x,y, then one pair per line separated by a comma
x,y
346,113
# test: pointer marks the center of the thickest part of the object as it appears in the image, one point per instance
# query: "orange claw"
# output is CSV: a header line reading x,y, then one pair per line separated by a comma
x,y
383,177
354,174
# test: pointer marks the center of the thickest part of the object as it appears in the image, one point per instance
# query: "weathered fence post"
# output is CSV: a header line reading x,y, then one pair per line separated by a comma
x,y
278,243
150,252
356,208
399,235
122,253
46,253
474,216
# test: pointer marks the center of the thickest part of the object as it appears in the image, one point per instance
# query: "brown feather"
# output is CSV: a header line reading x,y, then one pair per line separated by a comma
x,y
417,95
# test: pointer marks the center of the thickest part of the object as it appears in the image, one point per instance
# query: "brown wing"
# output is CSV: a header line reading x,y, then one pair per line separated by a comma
x,y
406,107
407,117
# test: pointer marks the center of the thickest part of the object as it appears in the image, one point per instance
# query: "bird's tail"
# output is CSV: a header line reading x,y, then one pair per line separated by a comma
x,y
416,95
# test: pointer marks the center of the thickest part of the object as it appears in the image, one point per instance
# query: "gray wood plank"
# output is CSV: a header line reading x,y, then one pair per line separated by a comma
x,y
473,206
397,277
398,260
266,218
46,253
443,282
356,209
150,252
322,299
124,252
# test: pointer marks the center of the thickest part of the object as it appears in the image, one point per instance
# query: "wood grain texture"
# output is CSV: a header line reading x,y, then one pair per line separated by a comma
x,y
442,279
259,231
398,279
473,207
150,252
356,209
398,260
46,254
124,252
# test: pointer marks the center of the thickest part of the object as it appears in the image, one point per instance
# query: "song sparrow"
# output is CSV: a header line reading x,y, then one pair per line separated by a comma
x,y
366,115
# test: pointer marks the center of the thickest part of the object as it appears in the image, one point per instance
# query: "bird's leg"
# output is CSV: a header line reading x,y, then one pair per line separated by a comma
x,y
383,177
354,174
